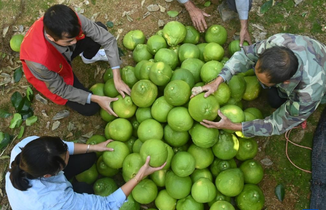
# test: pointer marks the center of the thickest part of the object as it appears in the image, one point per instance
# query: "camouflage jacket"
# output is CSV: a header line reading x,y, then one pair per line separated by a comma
x,y
305,91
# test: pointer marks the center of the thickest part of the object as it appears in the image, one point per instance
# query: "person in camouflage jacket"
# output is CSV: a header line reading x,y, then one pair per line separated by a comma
x,y
304,90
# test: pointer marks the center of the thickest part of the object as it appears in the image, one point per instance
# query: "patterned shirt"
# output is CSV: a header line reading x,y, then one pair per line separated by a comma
x,y
305,91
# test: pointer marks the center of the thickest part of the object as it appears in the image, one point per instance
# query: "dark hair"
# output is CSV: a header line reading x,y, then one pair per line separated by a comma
x,y
39,157
61,20
279,63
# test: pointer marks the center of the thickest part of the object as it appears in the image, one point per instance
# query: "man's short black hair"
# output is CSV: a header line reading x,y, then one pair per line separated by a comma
x,y
279,63
61,20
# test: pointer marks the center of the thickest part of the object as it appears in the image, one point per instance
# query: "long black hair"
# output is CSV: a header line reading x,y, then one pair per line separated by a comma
x,y
39,157
61,20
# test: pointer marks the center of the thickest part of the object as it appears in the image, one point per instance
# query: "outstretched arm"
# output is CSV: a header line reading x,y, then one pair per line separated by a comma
x,y
243,7
144,171
197,16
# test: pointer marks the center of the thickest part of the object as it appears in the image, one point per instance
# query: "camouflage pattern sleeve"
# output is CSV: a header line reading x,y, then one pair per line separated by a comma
x,y
289,115
242,61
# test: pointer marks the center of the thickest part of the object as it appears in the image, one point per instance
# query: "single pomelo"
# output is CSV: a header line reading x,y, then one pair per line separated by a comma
x,y
188,203
185,75
222,94
210,70
216,33
115,158
226,147
230,182
97,89
204,157
154,43
251,198
174,33
204,137
145,191
104,186
188,50
128,75
120,129
183,164
175,138
141,53
234,46
192,35
160,109
219,165
124,107
179,119
165,201
16,41
131,165
203,190
177,92
252,170
144,93
132,38
177,187
150,129
156,149
89,176
160,73
167,56
213,51
201,108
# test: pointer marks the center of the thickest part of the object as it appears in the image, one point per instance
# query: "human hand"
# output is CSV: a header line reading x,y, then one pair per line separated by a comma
x,y
101,147
122,87
208,88
146,170
197,16
244,33
224,123
104,102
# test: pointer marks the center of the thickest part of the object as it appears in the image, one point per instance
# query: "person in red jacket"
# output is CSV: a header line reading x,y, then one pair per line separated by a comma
x,y
53,42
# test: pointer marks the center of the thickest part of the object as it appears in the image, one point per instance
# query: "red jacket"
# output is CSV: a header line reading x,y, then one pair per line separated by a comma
x,y
36,48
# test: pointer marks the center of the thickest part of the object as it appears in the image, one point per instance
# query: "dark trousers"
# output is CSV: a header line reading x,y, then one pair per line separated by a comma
x,y
274,100
318,158
89,48
76,165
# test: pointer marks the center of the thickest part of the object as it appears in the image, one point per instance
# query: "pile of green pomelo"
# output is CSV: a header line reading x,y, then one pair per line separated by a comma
x,y
206,168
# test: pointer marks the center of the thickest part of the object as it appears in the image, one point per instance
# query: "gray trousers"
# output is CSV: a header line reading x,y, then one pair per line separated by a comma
x,y
232,6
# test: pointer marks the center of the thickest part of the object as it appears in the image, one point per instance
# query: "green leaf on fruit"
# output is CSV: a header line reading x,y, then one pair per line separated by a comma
x,y
4,113
16,121
280,192
21,132
18,74
266,6
173,13
31,120
29,94
207,4
5,139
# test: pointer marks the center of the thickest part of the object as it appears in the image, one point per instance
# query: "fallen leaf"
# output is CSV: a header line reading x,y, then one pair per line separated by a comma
x,y
280,192
173,13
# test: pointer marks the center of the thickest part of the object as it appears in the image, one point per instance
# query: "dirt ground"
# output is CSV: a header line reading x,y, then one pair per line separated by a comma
x,y
130,15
